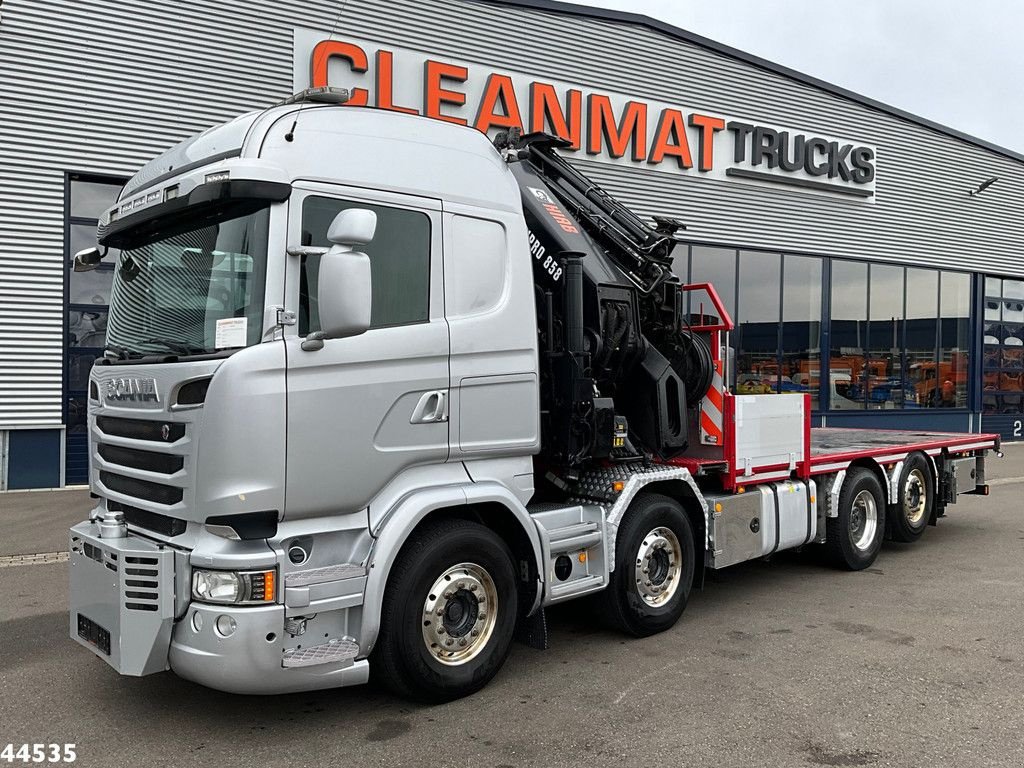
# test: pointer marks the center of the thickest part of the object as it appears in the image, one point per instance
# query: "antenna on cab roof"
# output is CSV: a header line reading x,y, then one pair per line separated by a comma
x,y
322,94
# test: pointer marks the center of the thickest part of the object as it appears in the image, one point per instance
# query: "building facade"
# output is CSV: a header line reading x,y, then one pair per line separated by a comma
x,y
842,234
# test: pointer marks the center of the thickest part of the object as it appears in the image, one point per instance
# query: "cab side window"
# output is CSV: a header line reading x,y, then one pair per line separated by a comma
x,y
399,262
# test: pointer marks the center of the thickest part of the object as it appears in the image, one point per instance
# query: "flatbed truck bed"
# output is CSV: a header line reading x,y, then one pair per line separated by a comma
x,y
835,448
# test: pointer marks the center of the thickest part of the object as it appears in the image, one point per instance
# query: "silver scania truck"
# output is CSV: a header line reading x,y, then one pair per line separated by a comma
x,y
377,390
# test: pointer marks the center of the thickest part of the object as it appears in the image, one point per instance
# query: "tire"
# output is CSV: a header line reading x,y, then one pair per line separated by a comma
x,y
430,657
854,537
915,502
656,534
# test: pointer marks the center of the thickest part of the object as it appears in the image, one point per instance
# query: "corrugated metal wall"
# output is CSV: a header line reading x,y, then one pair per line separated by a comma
x,y
100,87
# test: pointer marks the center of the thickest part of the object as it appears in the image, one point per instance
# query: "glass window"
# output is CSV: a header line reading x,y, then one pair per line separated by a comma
x,y
801,325
921,330
89,199
195,291
1003,346
848,334
681,262
718,267
399,262
79,365
78,415
87,328
757,323
91,287
955,340
882,378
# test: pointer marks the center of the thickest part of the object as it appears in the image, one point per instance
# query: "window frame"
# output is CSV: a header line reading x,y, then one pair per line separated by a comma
x,y
431,207
67,351
977,288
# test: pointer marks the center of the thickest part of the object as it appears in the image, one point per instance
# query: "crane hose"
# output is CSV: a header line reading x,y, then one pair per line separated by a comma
x,y
694,364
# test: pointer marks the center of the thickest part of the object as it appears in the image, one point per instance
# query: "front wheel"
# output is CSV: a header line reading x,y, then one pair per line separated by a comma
x,y
449,613
654,566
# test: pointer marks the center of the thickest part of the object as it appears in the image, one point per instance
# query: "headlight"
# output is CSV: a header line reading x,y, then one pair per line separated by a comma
x,y
233,587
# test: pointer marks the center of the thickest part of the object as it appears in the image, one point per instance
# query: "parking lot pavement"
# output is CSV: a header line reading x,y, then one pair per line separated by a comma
x,y
38,521
916,661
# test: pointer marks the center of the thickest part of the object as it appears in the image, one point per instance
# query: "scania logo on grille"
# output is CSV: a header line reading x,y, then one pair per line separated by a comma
x,y
132,390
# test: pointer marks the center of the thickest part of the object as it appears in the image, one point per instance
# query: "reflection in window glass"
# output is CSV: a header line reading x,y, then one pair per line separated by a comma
x,y
399,262
922,324
882,377
87,328
954,343
84,236
849,335
1003,347
79,365
801,325
89,199
757,323
91,287
718,267
681,263
78,415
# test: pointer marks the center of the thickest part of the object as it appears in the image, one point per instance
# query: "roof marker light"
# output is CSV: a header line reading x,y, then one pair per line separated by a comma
x,y
325,94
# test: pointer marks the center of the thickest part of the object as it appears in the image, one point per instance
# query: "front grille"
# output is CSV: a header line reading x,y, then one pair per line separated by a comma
x,y
151,521
141,489
141,429
164,463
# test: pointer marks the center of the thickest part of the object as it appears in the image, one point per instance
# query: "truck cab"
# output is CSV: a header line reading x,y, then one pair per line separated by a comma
x,y
229,425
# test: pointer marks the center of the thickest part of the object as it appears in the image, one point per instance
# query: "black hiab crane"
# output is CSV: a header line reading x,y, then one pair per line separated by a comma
x,y
614,340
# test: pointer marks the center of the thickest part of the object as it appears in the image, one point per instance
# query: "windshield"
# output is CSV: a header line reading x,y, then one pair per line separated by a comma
x,y
195,292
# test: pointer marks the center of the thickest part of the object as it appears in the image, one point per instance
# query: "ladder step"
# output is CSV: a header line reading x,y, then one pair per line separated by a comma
x,y
558,592
571,531
572,537
328,653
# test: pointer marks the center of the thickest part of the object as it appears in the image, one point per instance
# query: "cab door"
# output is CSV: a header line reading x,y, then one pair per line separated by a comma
x,y
364,408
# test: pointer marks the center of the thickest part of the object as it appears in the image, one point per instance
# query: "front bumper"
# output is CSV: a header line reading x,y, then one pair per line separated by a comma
x,y
250,660
123,609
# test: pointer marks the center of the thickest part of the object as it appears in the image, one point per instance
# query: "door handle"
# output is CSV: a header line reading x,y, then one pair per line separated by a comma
x,y
431,408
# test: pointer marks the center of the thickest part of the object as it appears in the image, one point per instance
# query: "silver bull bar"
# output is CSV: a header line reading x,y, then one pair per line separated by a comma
x,y
122,599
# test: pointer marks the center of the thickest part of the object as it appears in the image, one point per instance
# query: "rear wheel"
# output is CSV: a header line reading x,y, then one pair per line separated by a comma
x,y
448,614
915,501
854,537
654,566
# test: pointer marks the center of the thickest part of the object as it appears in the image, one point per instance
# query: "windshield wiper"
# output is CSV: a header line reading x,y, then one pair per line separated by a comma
x,y
121,352
176,346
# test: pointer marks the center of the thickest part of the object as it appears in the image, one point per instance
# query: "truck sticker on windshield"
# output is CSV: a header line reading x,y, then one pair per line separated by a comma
x,y
231,332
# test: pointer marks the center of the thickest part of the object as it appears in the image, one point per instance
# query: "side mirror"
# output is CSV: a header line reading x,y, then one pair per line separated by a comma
x,y
88,259
356,226
344,285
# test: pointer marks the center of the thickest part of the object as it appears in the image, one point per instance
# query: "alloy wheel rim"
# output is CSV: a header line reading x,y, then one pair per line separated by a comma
x,y
915,497
863,520
460,613
658,566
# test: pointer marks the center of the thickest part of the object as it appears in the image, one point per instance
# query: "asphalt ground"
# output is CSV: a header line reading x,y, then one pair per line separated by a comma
x,y
917,661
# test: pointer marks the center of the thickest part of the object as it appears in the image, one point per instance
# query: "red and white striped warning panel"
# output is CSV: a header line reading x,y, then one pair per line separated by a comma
x,y
711,410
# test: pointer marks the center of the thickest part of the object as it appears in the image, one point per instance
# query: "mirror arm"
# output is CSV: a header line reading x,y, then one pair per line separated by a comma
x,y
305,250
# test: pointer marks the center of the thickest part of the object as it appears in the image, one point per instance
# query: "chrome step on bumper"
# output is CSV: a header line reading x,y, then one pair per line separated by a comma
x,y
333,652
